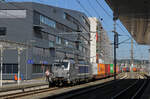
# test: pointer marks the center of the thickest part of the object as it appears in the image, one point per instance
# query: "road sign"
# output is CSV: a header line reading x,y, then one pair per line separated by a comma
x,y
45,62
30,61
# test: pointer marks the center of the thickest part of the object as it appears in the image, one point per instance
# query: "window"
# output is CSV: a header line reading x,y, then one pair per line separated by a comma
x,y
45,36
3,31
60,26
68,17
65,64
12,13
10,68
66,42
42,19
47,21
83,19
58,40
64,15
37,68
80,47
36,18
83,50
85,22
38,34
51,44
46,52
83,69
70,45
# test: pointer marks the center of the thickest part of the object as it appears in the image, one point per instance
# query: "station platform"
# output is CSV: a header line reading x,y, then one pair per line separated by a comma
x,y
12,84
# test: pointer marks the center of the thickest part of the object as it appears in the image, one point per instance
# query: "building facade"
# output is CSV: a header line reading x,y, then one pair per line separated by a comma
x,y
54,34
106,48
100,47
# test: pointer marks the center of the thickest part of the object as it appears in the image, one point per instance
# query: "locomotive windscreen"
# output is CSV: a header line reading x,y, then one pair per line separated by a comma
x,y
65,64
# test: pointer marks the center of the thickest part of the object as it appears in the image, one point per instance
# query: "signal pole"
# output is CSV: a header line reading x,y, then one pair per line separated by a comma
x,y
115,17
115,46
131,52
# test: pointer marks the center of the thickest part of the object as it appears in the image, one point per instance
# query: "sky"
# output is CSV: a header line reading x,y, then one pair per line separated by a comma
x,y
102,11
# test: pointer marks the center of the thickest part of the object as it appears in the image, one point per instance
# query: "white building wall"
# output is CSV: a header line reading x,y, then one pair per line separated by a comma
x,y
101,47
104,48
93,25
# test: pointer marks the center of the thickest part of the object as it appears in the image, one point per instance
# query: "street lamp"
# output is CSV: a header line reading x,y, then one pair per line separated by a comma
x,y
19,49
1,49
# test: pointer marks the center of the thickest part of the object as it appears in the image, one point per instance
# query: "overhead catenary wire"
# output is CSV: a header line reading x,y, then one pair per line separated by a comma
x,y
40,0
96,12
109,15
87,13
80,4
85,10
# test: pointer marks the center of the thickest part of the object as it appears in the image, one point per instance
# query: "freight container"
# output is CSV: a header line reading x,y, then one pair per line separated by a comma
x,y
111,69
101,70
106,70
117,69
127,69
102,66
121,69
124,69
134,69
138,69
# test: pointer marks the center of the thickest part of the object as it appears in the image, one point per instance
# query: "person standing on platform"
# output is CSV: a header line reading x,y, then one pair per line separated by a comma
x,y
47,73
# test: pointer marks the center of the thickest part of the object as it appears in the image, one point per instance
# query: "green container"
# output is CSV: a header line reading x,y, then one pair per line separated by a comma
x,y
111,68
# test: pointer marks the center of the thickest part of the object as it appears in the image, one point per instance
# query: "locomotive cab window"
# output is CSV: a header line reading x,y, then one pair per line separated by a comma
x,y
57,65
65,65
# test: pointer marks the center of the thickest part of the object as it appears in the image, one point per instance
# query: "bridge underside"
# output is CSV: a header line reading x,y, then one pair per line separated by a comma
x,y
135,16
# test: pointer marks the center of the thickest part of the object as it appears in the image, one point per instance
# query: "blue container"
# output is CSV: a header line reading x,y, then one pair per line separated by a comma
x,y
127,69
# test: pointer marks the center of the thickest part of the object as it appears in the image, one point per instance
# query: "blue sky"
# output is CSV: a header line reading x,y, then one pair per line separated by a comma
x,y
140,51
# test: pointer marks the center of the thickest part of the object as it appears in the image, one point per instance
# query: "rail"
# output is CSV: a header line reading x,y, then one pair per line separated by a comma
x,y
134,91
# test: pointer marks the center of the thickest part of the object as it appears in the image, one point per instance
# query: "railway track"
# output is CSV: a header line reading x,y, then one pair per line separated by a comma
x,y
22,94
32,92
77,94
134,91
113,90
